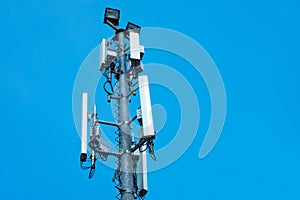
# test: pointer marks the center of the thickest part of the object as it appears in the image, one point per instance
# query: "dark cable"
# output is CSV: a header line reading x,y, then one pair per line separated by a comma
x,y
104,87
83,167
111,87
92,171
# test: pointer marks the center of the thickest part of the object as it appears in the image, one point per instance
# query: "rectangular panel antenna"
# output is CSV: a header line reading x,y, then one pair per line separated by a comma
x,y
142,171
135,47
84,119
148,129
102,55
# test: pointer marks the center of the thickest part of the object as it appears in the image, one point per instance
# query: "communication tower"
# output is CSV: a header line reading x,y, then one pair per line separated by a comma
x,y
121,63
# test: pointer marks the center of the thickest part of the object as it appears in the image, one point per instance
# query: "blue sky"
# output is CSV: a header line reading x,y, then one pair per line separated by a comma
x,y
256,47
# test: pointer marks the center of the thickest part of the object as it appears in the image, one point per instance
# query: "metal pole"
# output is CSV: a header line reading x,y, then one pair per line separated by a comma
x,y
125,138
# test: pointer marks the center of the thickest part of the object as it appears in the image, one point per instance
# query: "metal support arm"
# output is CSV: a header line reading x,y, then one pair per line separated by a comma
x,y
108,153
134,118
108,123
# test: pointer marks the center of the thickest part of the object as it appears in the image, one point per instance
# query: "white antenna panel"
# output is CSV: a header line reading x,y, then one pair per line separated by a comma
x,y
142,175
142,171
147,119
102,54
135,48
84,119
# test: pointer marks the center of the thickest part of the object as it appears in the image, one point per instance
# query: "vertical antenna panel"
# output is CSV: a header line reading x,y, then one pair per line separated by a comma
x,y
84,118
142,171
148,129
102,54
134,39
142,175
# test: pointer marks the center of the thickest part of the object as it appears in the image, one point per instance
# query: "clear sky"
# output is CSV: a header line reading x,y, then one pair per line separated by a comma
x,y
255,45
